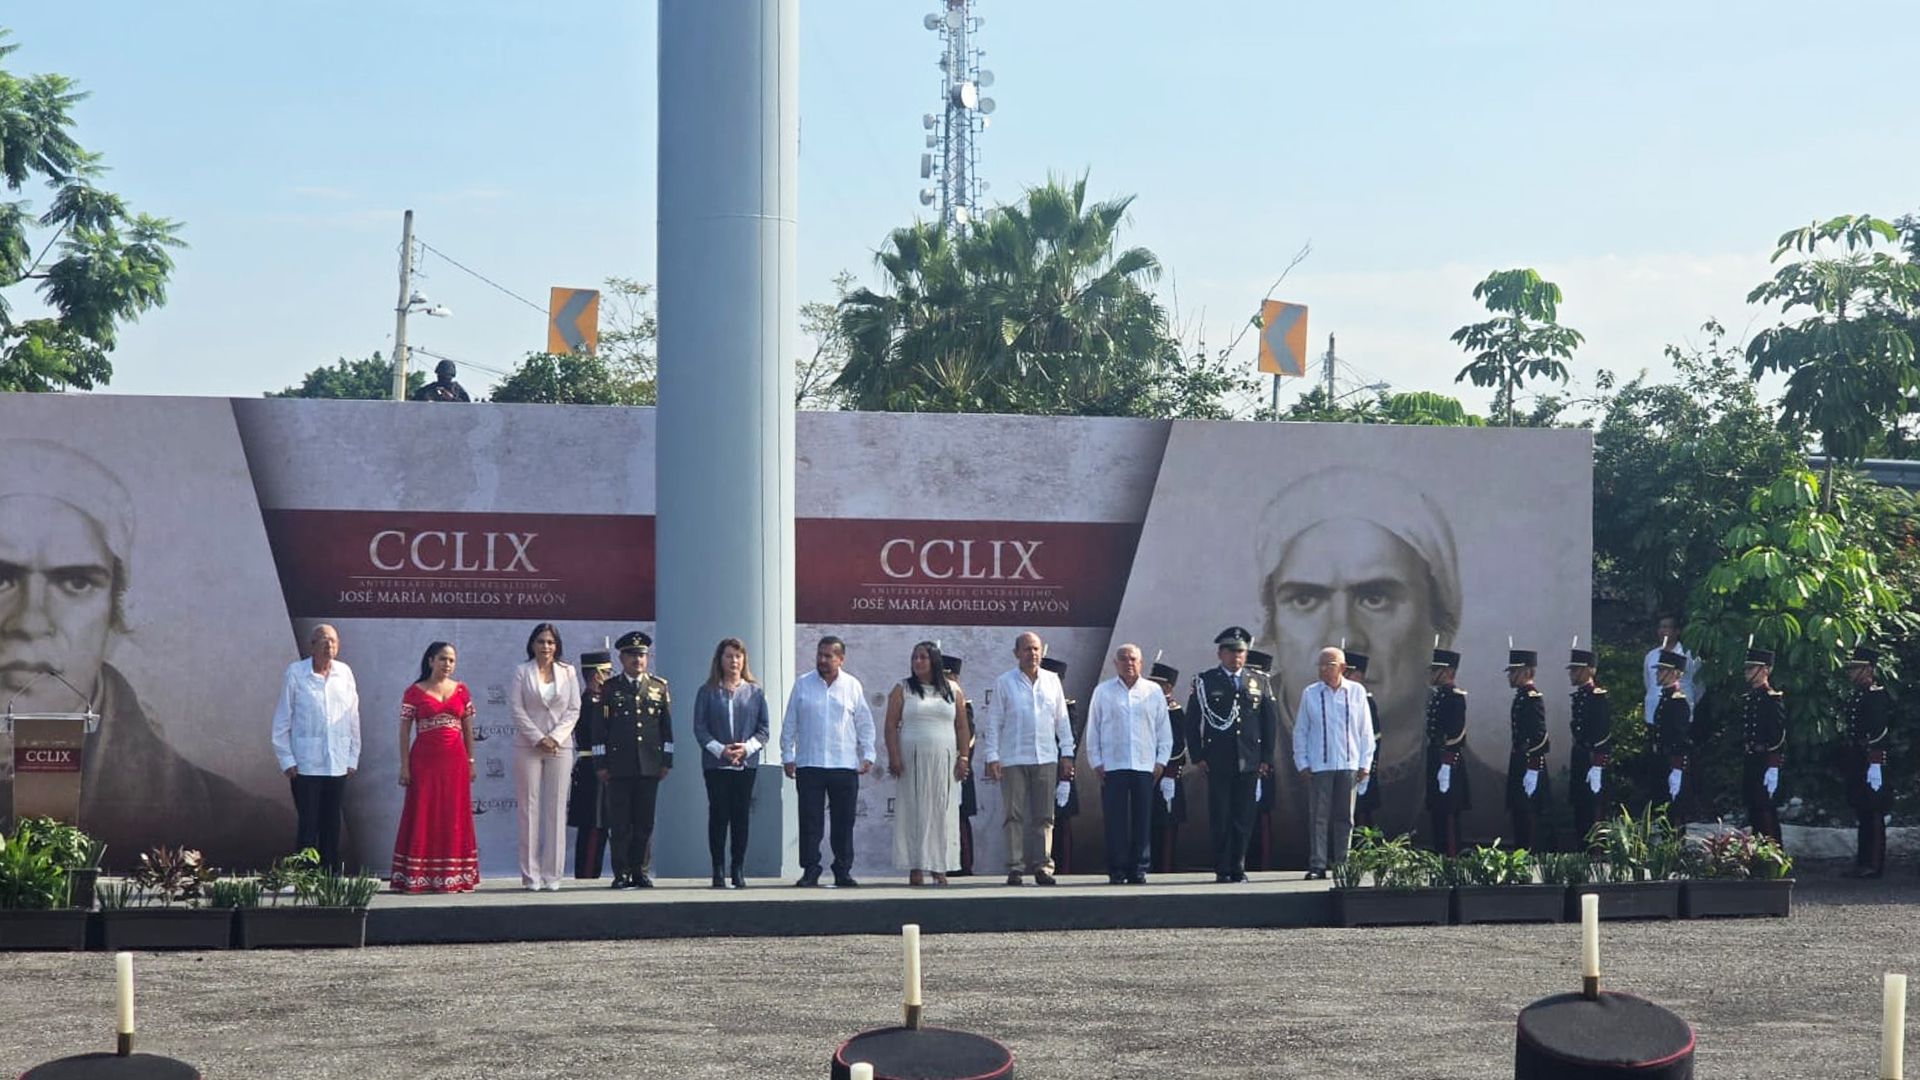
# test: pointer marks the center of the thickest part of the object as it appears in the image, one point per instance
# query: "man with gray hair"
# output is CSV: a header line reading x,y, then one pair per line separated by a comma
x,y
1129,739
316,738
1333,751
1379,575
66,536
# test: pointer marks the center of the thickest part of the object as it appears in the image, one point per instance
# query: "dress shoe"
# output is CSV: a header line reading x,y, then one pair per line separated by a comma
x,y
1041,877
1137,879
622,881
1223,879
1013,878
1238,879
1116,879
553,886
643,882
719,880
845,881
739,879
808,880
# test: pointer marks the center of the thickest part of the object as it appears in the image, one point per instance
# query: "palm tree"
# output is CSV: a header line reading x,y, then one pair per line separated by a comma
x,y
1526,342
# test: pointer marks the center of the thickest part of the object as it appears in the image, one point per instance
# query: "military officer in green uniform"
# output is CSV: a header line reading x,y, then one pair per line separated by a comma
x,y
633,752
1764,716
1527,749
1592,738
1866,758
1448,791
1235,725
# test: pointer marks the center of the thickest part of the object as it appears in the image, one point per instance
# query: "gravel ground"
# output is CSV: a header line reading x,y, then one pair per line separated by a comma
x,y
1789,998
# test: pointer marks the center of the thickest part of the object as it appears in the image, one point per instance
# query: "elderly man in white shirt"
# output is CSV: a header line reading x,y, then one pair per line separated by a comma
x,y
1028,745
316,737
1650,668
1129,738
826,743
1333,749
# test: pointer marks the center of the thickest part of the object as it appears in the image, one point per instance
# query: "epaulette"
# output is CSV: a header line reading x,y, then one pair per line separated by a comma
x,y
1533,692
1457,690
1598,690
1771,692
661,679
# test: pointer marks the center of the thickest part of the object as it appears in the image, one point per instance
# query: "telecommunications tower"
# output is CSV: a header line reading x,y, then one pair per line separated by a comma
x,y
952,160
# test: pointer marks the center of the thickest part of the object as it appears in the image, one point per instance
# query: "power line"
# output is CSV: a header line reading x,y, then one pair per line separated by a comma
x,y
462,363
482,277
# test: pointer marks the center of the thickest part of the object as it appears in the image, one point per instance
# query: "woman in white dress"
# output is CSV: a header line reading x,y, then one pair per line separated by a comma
x,y
926,730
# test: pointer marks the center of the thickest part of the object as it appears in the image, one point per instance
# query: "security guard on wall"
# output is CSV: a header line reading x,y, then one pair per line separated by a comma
x,y
1865,762
1764,715
1527,750
1592,739
633,752
1448,792
1236,725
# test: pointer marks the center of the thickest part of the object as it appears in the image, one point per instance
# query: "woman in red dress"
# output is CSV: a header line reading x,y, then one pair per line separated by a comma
x,y
435,850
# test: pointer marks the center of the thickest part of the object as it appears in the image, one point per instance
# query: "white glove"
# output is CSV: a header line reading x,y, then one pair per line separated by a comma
x,y
1257,788
1445,778
1771,781
1593,779
1361,788
1166,789
1673,784
1060,792
1873,776
1530,781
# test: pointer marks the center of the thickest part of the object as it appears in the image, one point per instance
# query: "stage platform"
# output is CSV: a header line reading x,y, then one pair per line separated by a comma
x,y
590,910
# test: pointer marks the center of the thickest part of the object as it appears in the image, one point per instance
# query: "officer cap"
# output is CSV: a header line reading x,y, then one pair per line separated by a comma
x,y
951,664
598,660
1580,658
1519,658
1864,657
1357,663
634,641
1058,667
1259,661
1759,658
1164,674
1234,637
1671,659
1445,658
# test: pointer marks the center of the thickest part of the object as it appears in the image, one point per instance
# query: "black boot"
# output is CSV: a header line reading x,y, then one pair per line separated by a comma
x,y
739,878
719,879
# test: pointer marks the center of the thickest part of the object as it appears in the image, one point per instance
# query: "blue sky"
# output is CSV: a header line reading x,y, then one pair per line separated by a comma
x,y
1643,155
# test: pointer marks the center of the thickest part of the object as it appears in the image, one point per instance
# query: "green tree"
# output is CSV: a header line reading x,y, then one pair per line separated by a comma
x,y
108,264
629,334
1523,341
815,375
1038,309
1417,407
370,379
1673,466
1849,363
569,379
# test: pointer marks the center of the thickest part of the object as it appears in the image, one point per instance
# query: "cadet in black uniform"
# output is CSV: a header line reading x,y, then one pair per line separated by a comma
x,y
1527,749
586,803
1865,761
1170,802
1592,737
1235,725
1266,792
1765,716
633,752
1065,810
1448,792
1366,801
969,799
1672,736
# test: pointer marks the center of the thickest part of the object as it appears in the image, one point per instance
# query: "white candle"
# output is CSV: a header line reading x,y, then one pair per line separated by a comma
x,y
911,933
1893,1028
123,980
1590,936
861,1071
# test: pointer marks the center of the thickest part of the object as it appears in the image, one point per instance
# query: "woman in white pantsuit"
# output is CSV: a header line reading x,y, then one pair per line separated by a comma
x,y
544,701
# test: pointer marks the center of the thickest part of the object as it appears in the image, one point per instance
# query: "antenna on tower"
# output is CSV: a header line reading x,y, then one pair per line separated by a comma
x,y
952,163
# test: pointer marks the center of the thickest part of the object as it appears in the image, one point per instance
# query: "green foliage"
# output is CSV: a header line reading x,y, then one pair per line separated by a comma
x,y
629,333
571,379
1563,867
1673,466
109,264
1735,854
1490,864
1416,407
30,879
1849,363
335,890
370,379
1523,341
234,892
289,872
67,845
815,376
1036,310
1389,864
173,875
1637,847
1799,581
118,895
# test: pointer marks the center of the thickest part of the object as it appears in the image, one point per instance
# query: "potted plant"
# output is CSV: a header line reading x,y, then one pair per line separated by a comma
x,y
1389,883
328,911
165,907
72,850
1495,884
33,889
1734,872
1636,873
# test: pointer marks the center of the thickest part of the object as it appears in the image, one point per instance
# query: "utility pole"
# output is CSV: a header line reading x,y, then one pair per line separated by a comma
x,y
400,311
1329,370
